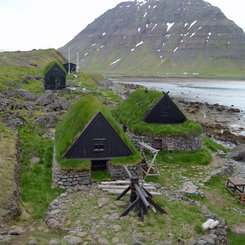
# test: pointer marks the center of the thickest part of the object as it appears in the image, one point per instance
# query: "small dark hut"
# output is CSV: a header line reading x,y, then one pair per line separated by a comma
x,y
98,142
70,66
55,77
165,111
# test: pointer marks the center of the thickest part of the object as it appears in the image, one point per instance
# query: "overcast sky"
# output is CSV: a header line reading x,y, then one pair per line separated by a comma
x,y
35,24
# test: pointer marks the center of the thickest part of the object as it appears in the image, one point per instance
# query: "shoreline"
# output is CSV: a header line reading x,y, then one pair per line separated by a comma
x,y
176,77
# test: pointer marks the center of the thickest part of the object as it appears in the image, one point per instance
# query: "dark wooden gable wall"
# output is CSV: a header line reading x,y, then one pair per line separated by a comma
x,y
165,111
55,78
72,67
98,141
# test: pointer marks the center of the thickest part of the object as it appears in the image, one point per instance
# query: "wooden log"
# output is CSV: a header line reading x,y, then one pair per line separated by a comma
x,y
117,191
116,182
123,187
112,186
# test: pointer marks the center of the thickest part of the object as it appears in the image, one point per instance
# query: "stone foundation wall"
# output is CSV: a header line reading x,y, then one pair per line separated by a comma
x,y
180,143
119,173
69,179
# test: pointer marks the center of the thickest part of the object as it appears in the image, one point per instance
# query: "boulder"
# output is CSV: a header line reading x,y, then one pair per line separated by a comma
x,y
239,229
189,188
26,95
64,103
49,120
237,153
46,99
54,242
16,230
235,110
72,240
29,105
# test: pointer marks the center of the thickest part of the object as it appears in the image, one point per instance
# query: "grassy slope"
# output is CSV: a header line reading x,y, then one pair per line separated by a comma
x,y
7,164
11,77
132,110
142,62
31,59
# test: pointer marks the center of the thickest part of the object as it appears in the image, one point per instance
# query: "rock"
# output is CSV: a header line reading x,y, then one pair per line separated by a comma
x,y
137,242
11,92
29,105
70,83
209,239
202,242
103,241
5,239
13,120
239,229
237,153
120,204
46,99
64,103
54,241
48,120
53,223
102,202
82,234
113,216
116,228
16,231
35,160
72,240
26,95
227,132
189,188
115,240
33,242
235,110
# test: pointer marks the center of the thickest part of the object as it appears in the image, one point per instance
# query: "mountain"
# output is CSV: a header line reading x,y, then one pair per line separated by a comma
x,y
34,58
161,37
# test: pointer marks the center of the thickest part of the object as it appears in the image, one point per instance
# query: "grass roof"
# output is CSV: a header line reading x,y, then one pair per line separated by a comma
x,y
75,122
51,64
131,113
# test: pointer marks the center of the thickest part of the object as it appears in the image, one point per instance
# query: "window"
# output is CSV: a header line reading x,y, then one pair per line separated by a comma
x,y
165,114
99,144
157,143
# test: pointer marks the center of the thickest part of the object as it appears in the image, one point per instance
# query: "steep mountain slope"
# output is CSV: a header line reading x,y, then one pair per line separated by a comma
x,y
160,37
35,58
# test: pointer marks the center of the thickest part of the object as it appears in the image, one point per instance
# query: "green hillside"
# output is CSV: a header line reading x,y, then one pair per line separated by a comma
x,y
31,59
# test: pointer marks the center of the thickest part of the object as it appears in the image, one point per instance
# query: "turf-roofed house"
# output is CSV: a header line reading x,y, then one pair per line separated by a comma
x,y
54,76
154,118
87,139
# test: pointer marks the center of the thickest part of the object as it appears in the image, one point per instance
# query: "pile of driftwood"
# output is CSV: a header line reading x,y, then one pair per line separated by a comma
x,y
116,187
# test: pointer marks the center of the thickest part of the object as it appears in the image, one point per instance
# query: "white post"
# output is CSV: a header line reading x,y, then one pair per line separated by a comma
x,y
77,67
69,61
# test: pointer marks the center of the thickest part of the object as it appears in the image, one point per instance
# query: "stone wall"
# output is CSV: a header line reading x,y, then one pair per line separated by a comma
x,y
180,143
13,206
69,179
119,173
